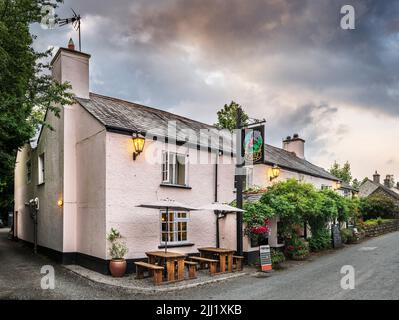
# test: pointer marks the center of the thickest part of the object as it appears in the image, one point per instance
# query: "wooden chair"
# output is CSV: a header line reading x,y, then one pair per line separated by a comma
x,y
205,261
192,269
238,261
152,268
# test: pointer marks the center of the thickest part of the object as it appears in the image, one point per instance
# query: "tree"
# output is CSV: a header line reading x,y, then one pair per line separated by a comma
x,y
343,173
227,117
356,183
27,90
377,206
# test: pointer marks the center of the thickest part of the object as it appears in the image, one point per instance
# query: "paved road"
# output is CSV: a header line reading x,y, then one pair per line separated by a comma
x,y
376,263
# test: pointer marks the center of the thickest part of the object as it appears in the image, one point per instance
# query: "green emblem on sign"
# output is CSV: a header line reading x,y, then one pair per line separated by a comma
x,y
253,146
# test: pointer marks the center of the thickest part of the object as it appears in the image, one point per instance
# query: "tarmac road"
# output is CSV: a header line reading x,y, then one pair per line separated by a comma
x,y
376,264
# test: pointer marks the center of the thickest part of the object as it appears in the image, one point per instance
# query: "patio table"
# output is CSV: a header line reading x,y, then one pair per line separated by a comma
x,y
222,254
171,260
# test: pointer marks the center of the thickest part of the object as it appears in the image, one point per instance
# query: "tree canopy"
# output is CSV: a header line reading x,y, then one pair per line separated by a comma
x,y
27,89
342,172
227,117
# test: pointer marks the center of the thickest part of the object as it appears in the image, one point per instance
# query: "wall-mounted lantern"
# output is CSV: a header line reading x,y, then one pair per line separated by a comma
x,y
339,185
275,172
60,203
138,145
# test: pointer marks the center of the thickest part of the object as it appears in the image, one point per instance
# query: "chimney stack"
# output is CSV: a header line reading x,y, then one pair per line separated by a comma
x,y
376,177
389,182
295,145
73,67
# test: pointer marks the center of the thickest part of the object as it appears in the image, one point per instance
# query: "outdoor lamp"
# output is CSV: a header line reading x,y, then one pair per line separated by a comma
x,y
138,144
339,185
60,203
275,172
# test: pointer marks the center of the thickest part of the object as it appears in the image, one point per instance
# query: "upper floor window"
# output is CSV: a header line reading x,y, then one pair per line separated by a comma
x,y
41,172
174,168
29,171
325,187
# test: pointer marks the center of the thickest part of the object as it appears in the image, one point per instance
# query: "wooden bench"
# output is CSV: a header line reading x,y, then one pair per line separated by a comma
x,y
205,261
238,261
153,269
192,269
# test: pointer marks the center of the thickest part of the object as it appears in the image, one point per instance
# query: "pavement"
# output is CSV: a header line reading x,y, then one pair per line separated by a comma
x,y
375,261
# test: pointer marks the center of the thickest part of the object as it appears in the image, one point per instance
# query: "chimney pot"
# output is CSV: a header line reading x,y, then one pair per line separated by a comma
x,y
71,45
296,136
376,177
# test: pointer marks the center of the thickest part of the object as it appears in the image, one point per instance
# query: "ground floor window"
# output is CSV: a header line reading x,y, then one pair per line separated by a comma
x,y
177,221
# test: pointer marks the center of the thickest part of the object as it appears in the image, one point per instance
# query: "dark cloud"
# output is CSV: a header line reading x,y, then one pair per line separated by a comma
x,y
285,60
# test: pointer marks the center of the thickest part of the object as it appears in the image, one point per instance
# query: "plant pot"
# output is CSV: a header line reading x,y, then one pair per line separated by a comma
x,y
117,268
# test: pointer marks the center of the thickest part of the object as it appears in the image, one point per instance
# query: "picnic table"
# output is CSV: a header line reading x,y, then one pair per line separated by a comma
x,y
222,254
172,260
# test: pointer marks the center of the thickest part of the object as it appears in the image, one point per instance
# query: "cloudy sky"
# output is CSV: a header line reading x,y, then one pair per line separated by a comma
x,y
284,60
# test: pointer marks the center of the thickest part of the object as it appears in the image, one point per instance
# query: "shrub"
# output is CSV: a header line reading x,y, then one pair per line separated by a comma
x,y
277,258
118,249
347,235
320,241
296,248
377,206
372,222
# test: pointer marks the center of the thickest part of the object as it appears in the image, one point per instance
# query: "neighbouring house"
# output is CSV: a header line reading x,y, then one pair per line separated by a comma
x,y
347,191
374,187
88,181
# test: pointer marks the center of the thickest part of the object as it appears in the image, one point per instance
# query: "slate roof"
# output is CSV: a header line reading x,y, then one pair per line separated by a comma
x,y
288,160
347,186
120,115
392,193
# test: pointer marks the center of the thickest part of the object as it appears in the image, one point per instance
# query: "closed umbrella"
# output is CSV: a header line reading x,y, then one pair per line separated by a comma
x,y
167,205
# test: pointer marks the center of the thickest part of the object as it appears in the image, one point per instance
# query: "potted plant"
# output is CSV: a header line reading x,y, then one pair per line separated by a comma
x,y
117,251
297,249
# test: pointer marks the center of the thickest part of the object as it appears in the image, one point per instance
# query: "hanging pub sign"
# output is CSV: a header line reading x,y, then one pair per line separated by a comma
x,y
265,258
254,145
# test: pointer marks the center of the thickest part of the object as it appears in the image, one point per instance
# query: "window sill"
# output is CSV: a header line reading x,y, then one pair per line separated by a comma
x,y
177,186
41,184
179,245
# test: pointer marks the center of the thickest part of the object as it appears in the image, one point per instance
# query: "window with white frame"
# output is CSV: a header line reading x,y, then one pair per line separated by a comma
x,y
41,173
174,227
174,168
29,171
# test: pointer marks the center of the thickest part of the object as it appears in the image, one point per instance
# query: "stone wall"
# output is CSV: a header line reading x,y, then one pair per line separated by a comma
x,y
379,229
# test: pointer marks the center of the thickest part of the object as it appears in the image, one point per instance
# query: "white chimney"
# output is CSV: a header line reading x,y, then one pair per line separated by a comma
x,y
295,145
73,67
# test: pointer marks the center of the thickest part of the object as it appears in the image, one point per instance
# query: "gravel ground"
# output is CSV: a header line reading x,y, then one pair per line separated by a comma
x,y
376,263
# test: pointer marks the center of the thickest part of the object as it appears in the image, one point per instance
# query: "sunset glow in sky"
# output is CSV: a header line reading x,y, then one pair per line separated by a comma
x,y
284,60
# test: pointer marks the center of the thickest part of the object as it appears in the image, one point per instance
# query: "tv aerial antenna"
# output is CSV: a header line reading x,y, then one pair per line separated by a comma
x,y
75,21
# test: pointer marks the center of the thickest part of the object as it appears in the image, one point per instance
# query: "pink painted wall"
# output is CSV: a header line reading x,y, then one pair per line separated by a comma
x,y
130,183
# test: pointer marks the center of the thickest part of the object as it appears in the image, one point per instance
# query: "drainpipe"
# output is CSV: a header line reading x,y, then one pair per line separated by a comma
x,y
239,180
216,200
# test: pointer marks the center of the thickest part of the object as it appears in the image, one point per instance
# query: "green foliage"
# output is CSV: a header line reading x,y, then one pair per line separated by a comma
x,y
118,249
377,206
293,201
320,241
227,117
27,90
348,235
344,172
278,257
296,248
379,220
356,184
255,215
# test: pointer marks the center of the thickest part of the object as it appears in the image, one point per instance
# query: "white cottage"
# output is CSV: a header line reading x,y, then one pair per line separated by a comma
x,y
87,181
